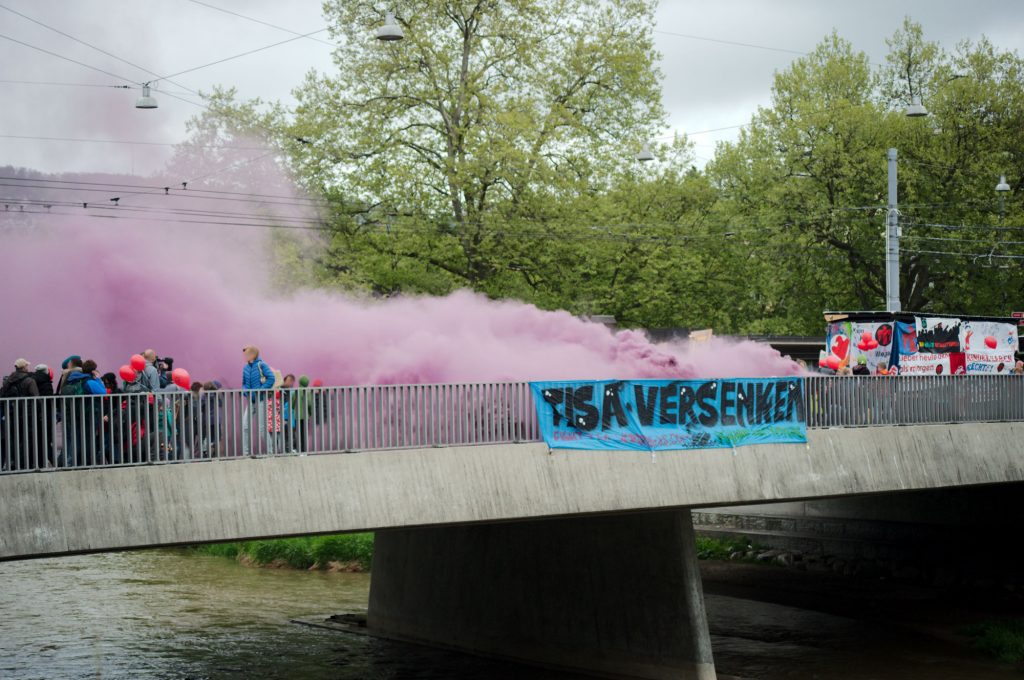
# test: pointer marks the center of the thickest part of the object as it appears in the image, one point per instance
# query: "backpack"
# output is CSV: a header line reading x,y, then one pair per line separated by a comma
x,y
74,389
14,388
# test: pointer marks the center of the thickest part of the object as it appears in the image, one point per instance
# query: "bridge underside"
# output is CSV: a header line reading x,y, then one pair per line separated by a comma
x,y
616,596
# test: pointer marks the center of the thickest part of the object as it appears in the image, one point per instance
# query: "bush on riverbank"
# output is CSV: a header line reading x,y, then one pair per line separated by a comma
x,y
1003,640
341,552
712,548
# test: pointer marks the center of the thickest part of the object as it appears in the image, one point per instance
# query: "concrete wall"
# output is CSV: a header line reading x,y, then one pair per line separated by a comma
x,y
95,510
618,596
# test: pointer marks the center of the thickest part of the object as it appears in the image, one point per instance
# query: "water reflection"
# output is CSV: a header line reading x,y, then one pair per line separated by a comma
x,y
171,615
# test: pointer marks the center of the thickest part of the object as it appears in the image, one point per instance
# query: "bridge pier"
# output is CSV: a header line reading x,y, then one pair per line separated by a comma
x,y
615,595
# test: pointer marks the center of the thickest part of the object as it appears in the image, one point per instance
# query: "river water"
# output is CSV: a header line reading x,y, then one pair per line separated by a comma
x,y
173,615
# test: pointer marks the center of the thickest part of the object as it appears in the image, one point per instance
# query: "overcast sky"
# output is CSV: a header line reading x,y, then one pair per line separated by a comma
x,y
706,84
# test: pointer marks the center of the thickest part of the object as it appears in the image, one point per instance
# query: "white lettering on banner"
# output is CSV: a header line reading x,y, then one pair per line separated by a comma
x,y
996,362
924,364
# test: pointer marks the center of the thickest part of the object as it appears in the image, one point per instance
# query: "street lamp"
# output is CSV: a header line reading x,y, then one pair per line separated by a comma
x,y
1002,189
645,154
145,101
390,31
916,108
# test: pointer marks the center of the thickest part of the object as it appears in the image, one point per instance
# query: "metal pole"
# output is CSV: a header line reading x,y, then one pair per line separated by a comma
x,y
892,249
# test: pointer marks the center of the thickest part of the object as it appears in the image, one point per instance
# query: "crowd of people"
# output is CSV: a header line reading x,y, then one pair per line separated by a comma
x,y
149,412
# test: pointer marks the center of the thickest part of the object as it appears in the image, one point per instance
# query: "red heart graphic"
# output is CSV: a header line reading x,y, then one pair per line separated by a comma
x,y
840,345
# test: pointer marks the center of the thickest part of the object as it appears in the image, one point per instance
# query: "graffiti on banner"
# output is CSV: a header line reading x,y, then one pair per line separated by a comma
x,y
938,335
654,415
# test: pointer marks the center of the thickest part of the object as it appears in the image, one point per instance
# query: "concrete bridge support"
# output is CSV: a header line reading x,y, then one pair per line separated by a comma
x,y
616,595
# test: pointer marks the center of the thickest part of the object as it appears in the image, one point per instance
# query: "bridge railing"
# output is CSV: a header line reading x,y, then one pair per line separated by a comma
x,y
864,401
39,433
167,427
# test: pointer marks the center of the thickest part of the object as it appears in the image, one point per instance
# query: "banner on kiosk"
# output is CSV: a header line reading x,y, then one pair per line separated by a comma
x,y
659,415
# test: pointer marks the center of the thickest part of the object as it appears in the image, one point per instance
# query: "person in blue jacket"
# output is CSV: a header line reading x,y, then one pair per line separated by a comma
x,y
81,418
257,380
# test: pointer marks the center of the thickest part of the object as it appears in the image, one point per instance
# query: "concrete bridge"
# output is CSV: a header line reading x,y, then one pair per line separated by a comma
x,y
490,542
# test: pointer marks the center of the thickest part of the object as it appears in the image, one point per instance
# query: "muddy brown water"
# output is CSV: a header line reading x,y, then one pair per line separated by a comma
x,y
174,615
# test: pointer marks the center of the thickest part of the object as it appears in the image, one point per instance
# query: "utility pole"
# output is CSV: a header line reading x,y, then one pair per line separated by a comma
x,y
892,242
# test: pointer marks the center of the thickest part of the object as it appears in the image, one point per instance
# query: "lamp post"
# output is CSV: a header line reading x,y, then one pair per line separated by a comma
x,y
1002,189
892,241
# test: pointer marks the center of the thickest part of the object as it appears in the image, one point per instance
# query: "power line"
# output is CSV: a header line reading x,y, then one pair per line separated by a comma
x,y
975,255
260,21
47,82
960,227
243,54
735,43
61,56
128,141
93,47
964,240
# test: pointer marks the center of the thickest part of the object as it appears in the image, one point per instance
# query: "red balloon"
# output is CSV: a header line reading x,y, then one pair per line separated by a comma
x,y
833,362
872,344
991,342
865,336
138,362
181,378
318,383
863,346
822,362
128,374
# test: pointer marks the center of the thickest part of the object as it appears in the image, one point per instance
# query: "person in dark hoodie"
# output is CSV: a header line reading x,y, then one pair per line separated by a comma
x,y
45,414
17,418
81,414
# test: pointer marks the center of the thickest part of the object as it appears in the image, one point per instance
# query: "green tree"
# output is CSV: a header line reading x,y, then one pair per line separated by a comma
x,y
485,117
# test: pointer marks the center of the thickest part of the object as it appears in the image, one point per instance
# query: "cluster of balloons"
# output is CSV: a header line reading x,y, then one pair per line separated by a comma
x,y
137,364
867,342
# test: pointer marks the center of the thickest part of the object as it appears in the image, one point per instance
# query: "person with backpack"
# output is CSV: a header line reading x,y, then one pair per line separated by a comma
x,y
16,417
257,381
81,414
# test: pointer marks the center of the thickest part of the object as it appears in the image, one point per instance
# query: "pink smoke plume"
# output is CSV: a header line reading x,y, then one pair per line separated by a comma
x,y
106,289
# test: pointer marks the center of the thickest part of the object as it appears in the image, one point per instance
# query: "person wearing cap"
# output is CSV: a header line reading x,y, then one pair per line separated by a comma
x,y
69,364
862,366
19,383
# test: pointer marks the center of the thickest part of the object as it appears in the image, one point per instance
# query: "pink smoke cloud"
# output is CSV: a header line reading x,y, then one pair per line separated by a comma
x,y
106,289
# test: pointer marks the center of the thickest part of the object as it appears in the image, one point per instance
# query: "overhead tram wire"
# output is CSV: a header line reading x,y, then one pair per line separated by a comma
x,y
665,239
735,43
260,21
980,256
243,54
732,233
129,141
279,200
98,49
59,84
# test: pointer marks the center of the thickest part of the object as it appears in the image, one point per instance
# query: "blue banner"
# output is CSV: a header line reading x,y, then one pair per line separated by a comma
x,y
658,415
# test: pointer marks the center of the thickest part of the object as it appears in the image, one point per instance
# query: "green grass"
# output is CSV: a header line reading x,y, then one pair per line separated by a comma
x,y
719,548
1003,640
303,552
